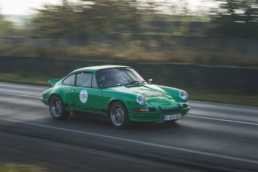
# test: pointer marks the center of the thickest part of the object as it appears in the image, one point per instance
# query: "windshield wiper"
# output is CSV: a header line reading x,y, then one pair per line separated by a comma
x,y
135,82
142,82
132,82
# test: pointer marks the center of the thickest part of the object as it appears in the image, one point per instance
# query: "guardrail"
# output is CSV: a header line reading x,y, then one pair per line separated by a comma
x,y
221,79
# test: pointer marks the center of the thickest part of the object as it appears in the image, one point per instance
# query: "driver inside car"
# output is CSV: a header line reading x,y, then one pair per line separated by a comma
x,y
111,80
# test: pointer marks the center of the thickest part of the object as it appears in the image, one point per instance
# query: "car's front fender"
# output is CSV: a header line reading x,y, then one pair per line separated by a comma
x,y
174,92
128,99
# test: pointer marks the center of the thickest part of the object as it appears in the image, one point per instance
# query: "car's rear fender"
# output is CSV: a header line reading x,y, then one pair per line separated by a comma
x,y
63,92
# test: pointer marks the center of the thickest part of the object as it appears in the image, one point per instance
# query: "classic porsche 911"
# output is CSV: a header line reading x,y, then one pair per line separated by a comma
x,y
115,93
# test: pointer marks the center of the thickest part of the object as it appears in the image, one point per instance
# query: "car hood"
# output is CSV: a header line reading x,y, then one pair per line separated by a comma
x,y
153,94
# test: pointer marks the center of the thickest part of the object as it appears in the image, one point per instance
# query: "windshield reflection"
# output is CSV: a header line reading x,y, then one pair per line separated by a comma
x,y
118,77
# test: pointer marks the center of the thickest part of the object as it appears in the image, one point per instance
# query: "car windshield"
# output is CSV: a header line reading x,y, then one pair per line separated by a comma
x,y
118,77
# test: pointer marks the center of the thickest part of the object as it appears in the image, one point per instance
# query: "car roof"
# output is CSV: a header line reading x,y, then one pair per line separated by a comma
x,y
96,68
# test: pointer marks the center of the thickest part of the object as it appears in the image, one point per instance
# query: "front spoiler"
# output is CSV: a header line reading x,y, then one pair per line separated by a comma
x,y
44,101
156,116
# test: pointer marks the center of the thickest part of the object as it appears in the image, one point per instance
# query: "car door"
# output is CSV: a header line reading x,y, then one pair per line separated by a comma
x,y
86,95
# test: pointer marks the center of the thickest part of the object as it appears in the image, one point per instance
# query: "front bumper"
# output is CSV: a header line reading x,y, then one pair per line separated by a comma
x,y
45,101
156,116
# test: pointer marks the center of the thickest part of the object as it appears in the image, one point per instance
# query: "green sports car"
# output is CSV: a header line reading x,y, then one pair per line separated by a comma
x,y
115,93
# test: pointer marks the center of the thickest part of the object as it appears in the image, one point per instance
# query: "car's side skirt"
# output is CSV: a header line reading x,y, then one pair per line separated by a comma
x,y
90,115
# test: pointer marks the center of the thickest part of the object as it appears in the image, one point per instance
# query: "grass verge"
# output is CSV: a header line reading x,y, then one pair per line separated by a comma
x,y
16,78
20,168
224,98
237,99
149,50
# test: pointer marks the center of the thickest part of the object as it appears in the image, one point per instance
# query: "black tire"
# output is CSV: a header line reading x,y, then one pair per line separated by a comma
x,y
57,109
118,115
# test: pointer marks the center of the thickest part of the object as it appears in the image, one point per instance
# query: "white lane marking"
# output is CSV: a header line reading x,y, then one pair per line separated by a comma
x,y
224,120
20,95
138,142
226,104
193,116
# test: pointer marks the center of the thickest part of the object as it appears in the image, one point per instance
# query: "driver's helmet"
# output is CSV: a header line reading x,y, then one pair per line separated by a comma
x,y
110,79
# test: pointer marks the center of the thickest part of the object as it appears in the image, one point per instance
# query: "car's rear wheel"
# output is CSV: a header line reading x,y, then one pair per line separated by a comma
x,y
57,109
118,115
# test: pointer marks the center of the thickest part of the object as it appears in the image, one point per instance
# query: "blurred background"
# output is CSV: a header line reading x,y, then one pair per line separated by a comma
x,y
207,47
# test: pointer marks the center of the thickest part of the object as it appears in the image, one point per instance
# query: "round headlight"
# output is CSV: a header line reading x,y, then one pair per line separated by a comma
x,y
183,95
141,100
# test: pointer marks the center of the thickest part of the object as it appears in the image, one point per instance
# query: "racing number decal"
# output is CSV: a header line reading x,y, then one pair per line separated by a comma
x,y
83,96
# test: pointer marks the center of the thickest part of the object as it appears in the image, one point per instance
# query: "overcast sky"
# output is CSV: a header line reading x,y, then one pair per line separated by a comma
x,y
24,7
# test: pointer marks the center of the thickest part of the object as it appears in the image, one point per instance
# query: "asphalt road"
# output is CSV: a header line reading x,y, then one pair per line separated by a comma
x,y
213,137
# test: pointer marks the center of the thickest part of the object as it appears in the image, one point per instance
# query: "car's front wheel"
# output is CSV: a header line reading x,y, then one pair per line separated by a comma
x,y
57,109
118,115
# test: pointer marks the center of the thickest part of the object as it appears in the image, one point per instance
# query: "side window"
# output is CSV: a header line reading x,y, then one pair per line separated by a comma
x,y
83,80
69,80
94,82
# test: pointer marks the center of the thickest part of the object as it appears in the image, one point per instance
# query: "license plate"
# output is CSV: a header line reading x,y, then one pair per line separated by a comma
x,y
172,117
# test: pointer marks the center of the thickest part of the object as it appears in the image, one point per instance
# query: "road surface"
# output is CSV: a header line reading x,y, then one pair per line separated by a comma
x,y
213,137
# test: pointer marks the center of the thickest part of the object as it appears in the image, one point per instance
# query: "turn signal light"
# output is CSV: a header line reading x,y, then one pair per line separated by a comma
x,y
141,110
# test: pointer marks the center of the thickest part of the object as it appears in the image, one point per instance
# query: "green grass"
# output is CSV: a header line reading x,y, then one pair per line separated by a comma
x,y
240,99
212,96
136,51
20,168
15,78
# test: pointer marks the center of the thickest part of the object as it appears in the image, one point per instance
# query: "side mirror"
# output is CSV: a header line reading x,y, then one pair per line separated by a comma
x,y
149,81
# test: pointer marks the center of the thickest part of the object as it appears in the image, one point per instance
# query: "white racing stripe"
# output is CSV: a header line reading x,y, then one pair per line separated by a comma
x,y
224,120
137,142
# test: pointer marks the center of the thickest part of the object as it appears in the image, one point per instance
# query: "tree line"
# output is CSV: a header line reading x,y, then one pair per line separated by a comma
x,y
107,19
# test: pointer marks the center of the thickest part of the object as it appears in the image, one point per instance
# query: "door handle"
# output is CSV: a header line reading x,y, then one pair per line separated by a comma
x,y
73,91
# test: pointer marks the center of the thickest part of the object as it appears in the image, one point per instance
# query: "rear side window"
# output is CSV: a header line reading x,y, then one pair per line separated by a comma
x,y
69,80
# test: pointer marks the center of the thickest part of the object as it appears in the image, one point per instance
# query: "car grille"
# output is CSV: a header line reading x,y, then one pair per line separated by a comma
x,y
171,110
